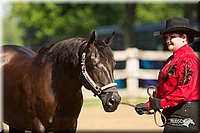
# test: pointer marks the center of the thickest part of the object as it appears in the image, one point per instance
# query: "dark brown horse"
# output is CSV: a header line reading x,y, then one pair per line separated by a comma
x,y
42,91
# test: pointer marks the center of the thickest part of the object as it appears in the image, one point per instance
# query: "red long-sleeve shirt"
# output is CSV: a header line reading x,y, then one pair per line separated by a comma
x,y
179,79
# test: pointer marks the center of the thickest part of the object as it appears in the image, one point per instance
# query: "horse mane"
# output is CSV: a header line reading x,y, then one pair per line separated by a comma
x,y
63,53
66,53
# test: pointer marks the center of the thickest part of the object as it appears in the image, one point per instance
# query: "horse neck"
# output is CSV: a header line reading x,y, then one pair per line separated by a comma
x,y
64,73
65,82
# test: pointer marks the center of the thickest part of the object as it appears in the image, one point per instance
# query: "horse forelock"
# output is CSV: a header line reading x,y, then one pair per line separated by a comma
x,y
63,53
104,50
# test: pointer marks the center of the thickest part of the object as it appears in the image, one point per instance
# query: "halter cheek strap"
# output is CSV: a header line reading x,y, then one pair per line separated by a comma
x,y
98,90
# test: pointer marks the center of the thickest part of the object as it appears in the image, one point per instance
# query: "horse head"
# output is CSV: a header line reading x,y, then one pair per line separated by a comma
x,y
97,66
187,122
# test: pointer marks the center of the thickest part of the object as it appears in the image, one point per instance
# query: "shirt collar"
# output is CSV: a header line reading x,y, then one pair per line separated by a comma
x,y
181,50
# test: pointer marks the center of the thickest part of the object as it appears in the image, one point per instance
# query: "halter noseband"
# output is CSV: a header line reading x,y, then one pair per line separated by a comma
x,y
98,90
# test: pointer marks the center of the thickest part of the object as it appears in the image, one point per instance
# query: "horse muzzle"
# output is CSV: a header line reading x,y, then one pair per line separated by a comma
x,y
110,101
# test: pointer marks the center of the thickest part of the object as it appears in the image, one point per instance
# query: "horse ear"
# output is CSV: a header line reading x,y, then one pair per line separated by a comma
x,y
109,40
92,37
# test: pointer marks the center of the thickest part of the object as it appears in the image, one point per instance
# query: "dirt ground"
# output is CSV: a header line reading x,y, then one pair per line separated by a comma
x,y
94,118
123,119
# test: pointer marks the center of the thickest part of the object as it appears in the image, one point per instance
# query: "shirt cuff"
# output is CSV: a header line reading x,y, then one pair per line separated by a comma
x,y
148,105
164,104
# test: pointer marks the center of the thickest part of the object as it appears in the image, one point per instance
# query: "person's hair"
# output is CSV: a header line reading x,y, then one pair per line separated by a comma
x,y
190,38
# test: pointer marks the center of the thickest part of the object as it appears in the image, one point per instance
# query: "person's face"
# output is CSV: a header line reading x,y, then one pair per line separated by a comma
x,y
174,41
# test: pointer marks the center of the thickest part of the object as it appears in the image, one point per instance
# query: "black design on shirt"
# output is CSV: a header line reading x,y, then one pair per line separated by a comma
x,y
170,71
186,74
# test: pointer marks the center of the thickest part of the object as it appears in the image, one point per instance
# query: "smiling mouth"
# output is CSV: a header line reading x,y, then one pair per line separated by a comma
x,y
169,44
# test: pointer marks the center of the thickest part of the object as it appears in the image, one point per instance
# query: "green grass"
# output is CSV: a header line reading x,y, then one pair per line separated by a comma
x,y
91,102
128,99
141,100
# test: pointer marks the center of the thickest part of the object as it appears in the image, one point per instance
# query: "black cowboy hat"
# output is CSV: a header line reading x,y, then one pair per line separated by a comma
x,y
178,25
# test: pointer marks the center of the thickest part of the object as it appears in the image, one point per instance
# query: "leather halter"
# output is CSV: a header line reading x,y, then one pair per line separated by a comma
x,y
98,90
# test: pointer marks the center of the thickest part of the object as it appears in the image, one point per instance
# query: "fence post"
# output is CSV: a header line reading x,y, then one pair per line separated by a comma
x,y
132,68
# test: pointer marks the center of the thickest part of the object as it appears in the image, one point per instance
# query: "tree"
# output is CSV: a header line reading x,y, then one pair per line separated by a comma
x,y
128,25
50,22
43,23
12,33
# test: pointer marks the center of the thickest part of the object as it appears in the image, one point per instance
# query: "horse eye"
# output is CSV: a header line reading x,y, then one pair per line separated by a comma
x,y
91,66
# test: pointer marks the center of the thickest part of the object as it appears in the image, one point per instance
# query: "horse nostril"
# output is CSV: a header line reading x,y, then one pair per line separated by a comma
x,y
111,101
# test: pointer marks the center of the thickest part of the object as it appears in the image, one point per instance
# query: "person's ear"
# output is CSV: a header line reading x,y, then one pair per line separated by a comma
x,y
184,37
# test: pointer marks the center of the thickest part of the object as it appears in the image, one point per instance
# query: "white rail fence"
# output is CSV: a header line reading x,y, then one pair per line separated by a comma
x,y
132,72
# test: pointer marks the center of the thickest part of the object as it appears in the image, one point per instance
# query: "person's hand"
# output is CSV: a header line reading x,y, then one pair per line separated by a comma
x,y
155,103
140,108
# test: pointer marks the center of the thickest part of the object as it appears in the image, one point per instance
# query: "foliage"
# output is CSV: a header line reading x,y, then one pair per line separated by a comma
x,y
12,33
52,22
42,23
158,12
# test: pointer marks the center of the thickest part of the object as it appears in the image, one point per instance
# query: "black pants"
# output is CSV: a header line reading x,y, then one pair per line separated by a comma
x,y
183,118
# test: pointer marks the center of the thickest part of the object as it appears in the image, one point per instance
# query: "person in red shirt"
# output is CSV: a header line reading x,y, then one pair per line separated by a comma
x,y
178,90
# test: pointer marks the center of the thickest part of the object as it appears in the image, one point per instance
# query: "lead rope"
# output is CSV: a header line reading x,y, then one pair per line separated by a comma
x,y
165,119
156,122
